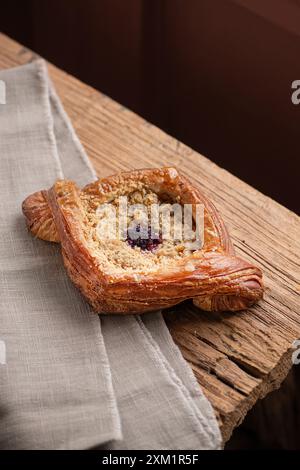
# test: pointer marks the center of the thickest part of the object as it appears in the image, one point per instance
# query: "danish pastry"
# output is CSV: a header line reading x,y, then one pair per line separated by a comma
x,y
122,271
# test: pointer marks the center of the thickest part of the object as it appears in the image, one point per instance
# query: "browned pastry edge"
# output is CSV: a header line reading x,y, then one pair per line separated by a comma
x,y
220,281
39,217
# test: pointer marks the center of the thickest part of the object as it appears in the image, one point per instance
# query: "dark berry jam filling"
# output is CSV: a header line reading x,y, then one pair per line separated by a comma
x,y
144,243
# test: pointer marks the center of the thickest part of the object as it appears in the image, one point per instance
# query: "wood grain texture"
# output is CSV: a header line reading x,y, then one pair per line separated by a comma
x,y
237,358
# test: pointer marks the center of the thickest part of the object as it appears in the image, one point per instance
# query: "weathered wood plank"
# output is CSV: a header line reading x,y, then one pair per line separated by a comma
x,y
237,358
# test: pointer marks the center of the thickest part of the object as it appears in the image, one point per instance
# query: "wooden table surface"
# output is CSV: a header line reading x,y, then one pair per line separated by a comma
x,y
237,358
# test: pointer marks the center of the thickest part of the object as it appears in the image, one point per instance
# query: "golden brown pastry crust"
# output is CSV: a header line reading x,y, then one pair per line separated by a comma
x,y
219,280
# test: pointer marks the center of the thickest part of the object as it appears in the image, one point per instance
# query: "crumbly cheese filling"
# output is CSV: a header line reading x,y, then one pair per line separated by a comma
x,y
118,251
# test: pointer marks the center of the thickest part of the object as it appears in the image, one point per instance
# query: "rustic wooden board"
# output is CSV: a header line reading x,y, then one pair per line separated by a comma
x,y
237,358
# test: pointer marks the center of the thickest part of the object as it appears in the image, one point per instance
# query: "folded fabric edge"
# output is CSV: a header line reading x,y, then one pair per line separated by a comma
x,y
59,109
160,333
210,428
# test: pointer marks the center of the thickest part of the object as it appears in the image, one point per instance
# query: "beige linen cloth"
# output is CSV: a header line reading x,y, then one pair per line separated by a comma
x,y
72,379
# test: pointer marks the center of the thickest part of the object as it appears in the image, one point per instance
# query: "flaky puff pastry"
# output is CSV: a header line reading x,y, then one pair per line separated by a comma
x,y
213,276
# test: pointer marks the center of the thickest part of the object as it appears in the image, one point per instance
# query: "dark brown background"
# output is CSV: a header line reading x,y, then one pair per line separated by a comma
x,y
214,73
217,75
